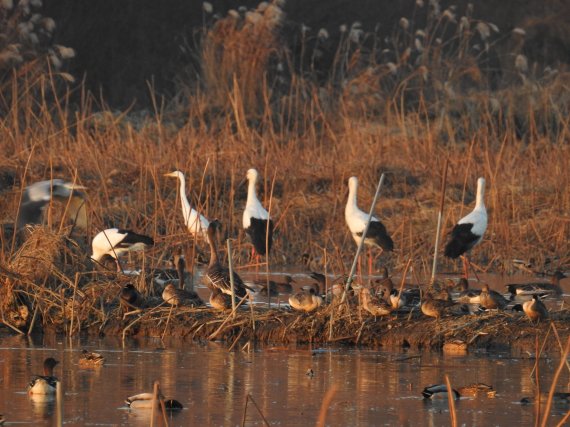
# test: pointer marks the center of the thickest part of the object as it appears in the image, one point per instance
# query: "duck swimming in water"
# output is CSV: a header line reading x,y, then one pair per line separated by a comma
x,y
46,383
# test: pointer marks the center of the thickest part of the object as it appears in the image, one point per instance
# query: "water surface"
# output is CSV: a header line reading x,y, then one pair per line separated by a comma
x,y
374,387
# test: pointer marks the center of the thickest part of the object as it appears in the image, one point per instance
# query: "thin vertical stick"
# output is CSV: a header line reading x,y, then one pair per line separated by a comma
x,y
154,403
267,242
231,276
439,217
554,382
537,391
451,399
244,410
59,403
326,403
361,244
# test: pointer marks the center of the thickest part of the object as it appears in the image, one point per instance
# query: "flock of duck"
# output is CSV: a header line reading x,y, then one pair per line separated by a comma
x,y
437,301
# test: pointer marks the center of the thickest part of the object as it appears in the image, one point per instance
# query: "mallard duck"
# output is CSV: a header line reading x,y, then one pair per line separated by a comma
x,y
436,307
491,299
535,309
466,295
219,276
144,401
476,389
130,297
374,305
306,300
46,383
439,391
219,300
91,359
538,288
179,297
558,398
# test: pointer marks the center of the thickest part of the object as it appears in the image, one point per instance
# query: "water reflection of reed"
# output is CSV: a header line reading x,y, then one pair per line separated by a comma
x,y
373,386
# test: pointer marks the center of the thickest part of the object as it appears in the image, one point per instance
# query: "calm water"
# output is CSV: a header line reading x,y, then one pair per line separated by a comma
x,y
374,387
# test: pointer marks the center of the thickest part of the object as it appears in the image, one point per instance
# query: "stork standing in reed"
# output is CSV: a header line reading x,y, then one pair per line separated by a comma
x,y
114,242
196,223
469,230
356,220
39,194
218,276
256,222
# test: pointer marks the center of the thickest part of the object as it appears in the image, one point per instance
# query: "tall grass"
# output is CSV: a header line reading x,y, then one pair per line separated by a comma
x,y
365,119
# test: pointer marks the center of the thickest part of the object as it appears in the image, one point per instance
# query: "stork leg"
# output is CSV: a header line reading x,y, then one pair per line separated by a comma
x,y
466,265
119,267
369,266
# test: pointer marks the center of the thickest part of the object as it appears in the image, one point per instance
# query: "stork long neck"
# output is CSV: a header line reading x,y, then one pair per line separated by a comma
x,y
251,192
351,202
186,210
480,202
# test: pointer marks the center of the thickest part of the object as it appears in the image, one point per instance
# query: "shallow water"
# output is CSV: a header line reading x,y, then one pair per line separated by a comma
x,y
374,387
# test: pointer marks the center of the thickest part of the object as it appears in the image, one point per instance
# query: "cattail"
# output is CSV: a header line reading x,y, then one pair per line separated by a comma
x,y
55,61
207,7
253,17
262,6
494,105
342,28
420,33
48,24
392,67
36,3
493,27
447,13
519,32
273,13
233,13
65,52
7,4
423,70
418,45
483,30
420,3
355,32
463,24
323,34
67,77
521,63
404,23
33,37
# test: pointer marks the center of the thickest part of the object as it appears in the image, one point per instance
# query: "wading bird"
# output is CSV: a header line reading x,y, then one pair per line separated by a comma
x,y
114,242
356,220
196,223
46,383
256,222
469,230
37,195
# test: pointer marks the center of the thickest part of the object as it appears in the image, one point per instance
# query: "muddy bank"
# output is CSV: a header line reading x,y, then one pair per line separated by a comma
x,y
493,331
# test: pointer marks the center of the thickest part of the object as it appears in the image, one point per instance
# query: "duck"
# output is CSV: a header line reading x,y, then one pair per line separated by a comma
x,y
256,221
196,223
540,288
130,297
90,359
285,287
476,389
558,398
219,300
466,295
357,220
218,276
535,309
145,400
306,300
267,289
433,307
469,230
180,297
46,383
439,391
114,242
374,305
490,299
